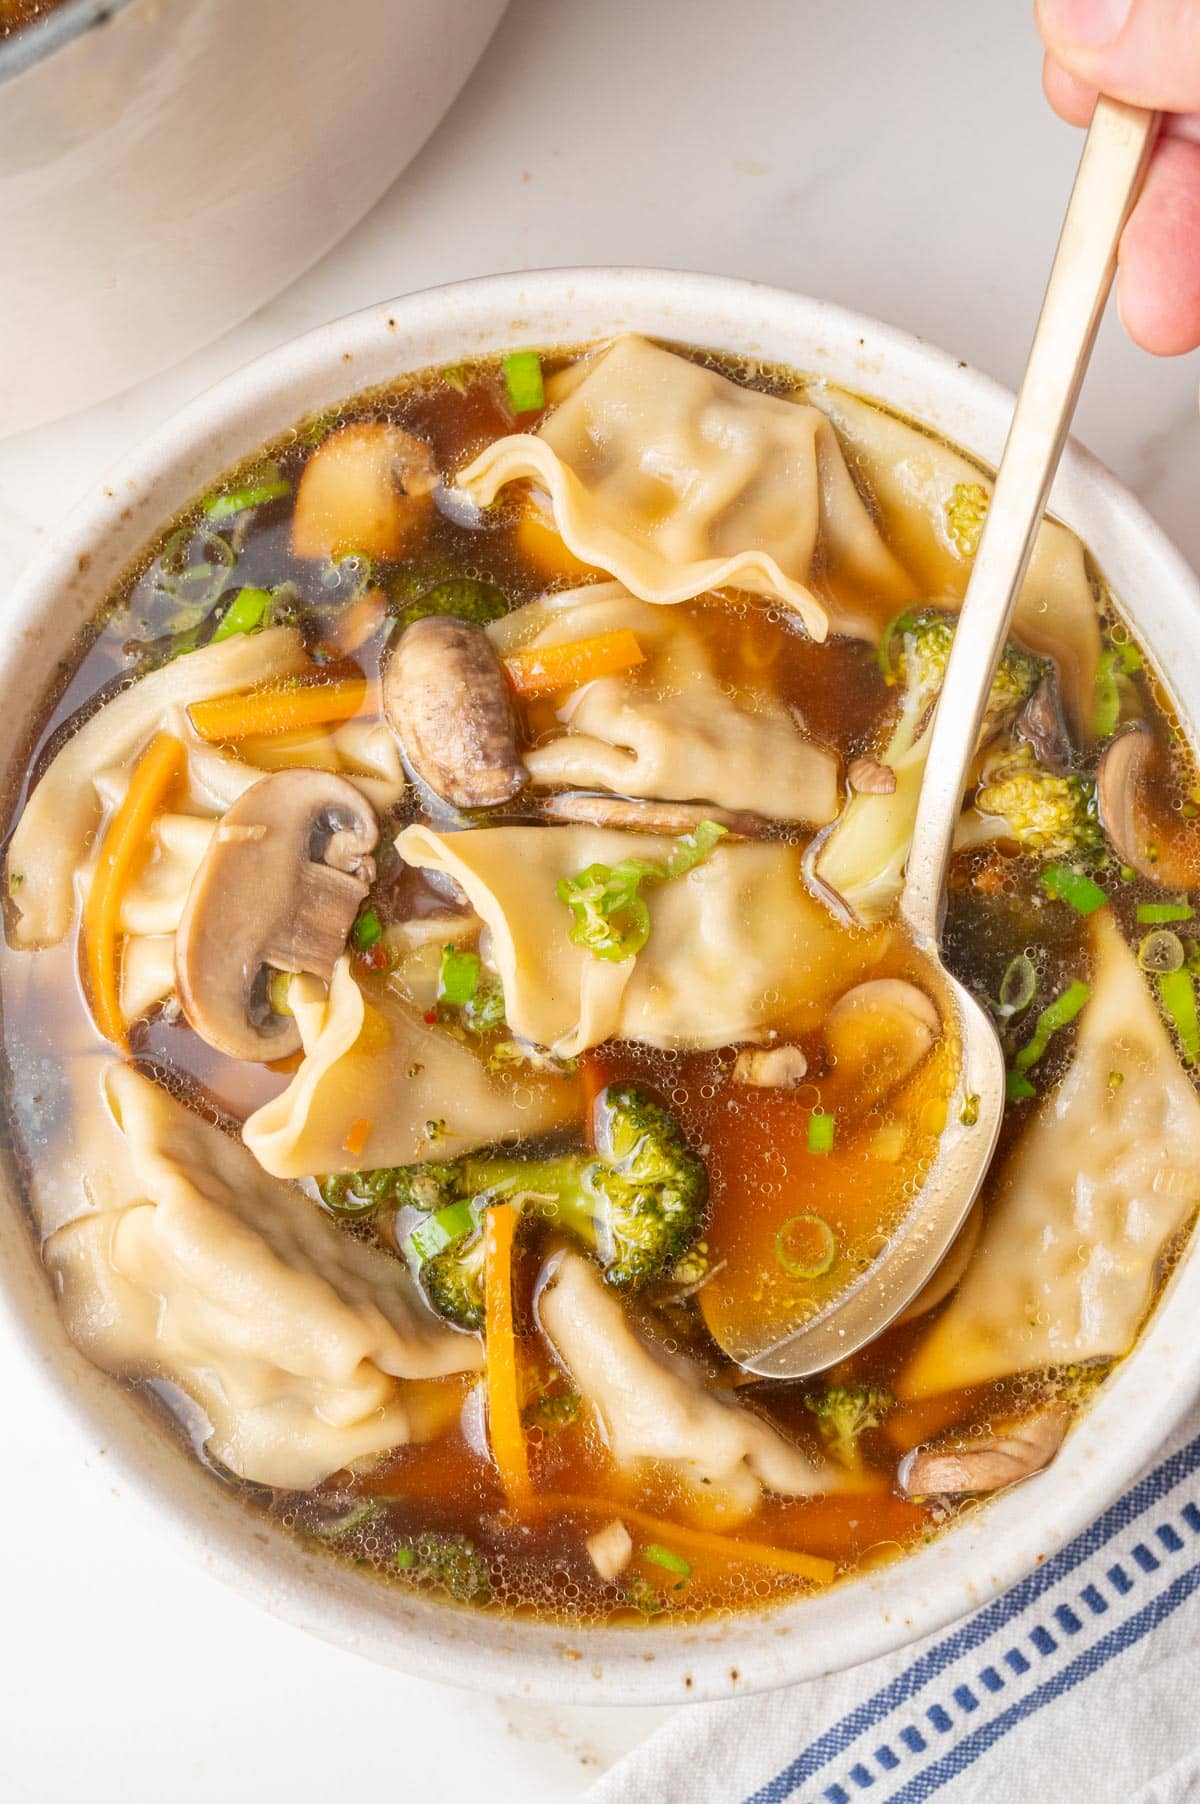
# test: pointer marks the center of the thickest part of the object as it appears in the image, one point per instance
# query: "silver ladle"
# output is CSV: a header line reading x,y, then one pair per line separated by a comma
x,y
1111,168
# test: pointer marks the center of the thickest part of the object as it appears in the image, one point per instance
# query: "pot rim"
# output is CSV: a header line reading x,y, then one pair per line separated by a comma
x,y
987,1551
34,42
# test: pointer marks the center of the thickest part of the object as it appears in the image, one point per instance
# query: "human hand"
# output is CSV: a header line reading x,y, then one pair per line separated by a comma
x,y
1147,52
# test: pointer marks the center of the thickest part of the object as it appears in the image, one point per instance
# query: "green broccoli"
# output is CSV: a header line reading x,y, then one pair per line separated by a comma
x,y
843,1412
966,511
862,858
463,597
637,1203
449,1561
1050,816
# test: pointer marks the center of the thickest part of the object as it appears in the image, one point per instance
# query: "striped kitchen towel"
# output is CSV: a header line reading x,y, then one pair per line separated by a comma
x,y
1081,1686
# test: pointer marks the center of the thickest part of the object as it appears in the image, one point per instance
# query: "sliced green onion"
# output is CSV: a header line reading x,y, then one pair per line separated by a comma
x,y
612,918
1161,952
668,1559
1118,660
367,930
268,485
405,1558
244,613
821,1128
691,849
523,380
1177,992
1059,1013
806,1246
449,1224
458,976
1018,986
344,1525
1066,884
1017,1086
895,628
1156,914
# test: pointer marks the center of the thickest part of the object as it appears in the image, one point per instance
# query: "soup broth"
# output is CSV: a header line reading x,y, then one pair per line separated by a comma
x,y
620,1049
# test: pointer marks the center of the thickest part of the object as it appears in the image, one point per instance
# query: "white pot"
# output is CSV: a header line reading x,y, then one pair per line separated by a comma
x,y
166,166
994,1546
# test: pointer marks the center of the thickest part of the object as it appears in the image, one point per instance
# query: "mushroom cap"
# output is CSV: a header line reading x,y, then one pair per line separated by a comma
x,y
277,889
878,1033
447,699
367,488
1165,849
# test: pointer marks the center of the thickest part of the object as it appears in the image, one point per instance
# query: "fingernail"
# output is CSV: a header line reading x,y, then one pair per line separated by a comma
x,y
1087,23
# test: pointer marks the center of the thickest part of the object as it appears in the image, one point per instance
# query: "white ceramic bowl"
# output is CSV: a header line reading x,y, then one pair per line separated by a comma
x,y
166,166
993,1547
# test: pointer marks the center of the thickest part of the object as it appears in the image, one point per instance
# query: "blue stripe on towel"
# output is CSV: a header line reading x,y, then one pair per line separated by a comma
x,y
993,1617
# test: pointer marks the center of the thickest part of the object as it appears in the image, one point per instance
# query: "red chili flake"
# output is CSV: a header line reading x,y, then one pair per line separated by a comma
x,y
373,958
431,1016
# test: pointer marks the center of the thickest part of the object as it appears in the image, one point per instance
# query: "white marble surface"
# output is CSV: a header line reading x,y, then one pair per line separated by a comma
x,y
894,158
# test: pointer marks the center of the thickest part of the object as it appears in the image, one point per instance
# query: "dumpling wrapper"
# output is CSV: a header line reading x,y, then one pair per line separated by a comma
x,y
291,1336
657,1411
670,729
736,948
911,477
378,1062
1098,1184
676,481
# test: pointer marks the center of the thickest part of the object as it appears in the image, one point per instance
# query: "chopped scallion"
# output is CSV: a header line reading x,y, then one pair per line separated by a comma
x,y
1059,1013
244,613
1177,992
806,1246
1161,952
523,380
367,929
1157,914
267,485
1018,986
612,919
405,1558
821,1127
1017,1086
668,1559
458,976
437,1231
1117,661
1066,884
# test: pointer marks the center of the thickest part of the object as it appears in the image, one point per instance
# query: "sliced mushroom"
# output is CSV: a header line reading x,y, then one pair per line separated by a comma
x,y
277,890
1165,850
866,777
986,1464
1041,723
878,1033
610,1550
649,817
770,1067
366,489
445,694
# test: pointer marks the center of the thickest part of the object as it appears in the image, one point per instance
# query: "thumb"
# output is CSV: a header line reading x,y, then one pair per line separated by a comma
x,y
1144,51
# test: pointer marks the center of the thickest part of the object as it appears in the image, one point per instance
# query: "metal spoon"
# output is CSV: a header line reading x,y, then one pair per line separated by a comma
x,y
1110,173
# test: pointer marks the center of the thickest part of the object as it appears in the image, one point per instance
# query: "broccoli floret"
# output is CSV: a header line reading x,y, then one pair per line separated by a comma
x,y
843,1412
463,597
361,1193
1050,816
863,856
637,1203
966,511
450,1561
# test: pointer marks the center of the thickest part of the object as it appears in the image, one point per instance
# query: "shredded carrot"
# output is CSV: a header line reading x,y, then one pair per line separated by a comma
x,y
503,1387
542,669
702,1540
124,840
356,1139
279,709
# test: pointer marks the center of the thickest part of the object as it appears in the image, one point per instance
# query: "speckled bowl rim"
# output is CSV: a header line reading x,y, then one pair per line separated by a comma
x,y
988,1551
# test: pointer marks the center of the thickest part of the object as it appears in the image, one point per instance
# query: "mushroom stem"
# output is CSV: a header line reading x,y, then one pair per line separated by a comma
x,y
648,816
985,1465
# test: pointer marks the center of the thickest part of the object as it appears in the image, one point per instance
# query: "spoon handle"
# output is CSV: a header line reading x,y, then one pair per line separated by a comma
x,y
1114,160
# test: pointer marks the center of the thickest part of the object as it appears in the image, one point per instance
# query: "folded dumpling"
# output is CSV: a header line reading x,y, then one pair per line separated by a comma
x,y
656,1408
912,479
676,481
736,948
673,728
293,1338
1099,1184
409,1090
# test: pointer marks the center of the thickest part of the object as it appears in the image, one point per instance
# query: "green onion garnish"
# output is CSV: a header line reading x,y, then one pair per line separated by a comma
x,y
820,1132
405,1558
367,929
1066,884
458,976
269,485
355,1518
523,380
1161,952
450,1223
668,1559
1177,992
1018,986
1118,660
612,919
806,1246
1056,1014
244,613
1017,1086
1157,914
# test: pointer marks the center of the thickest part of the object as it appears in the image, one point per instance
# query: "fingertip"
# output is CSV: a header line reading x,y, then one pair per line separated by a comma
x,y
1158,292
1072,99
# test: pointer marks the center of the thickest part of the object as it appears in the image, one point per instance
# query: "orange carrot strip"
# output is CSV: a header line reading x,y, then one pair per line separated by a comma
x,y
727,1547
124,840
548,667
278,709
503,1388
356,1139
